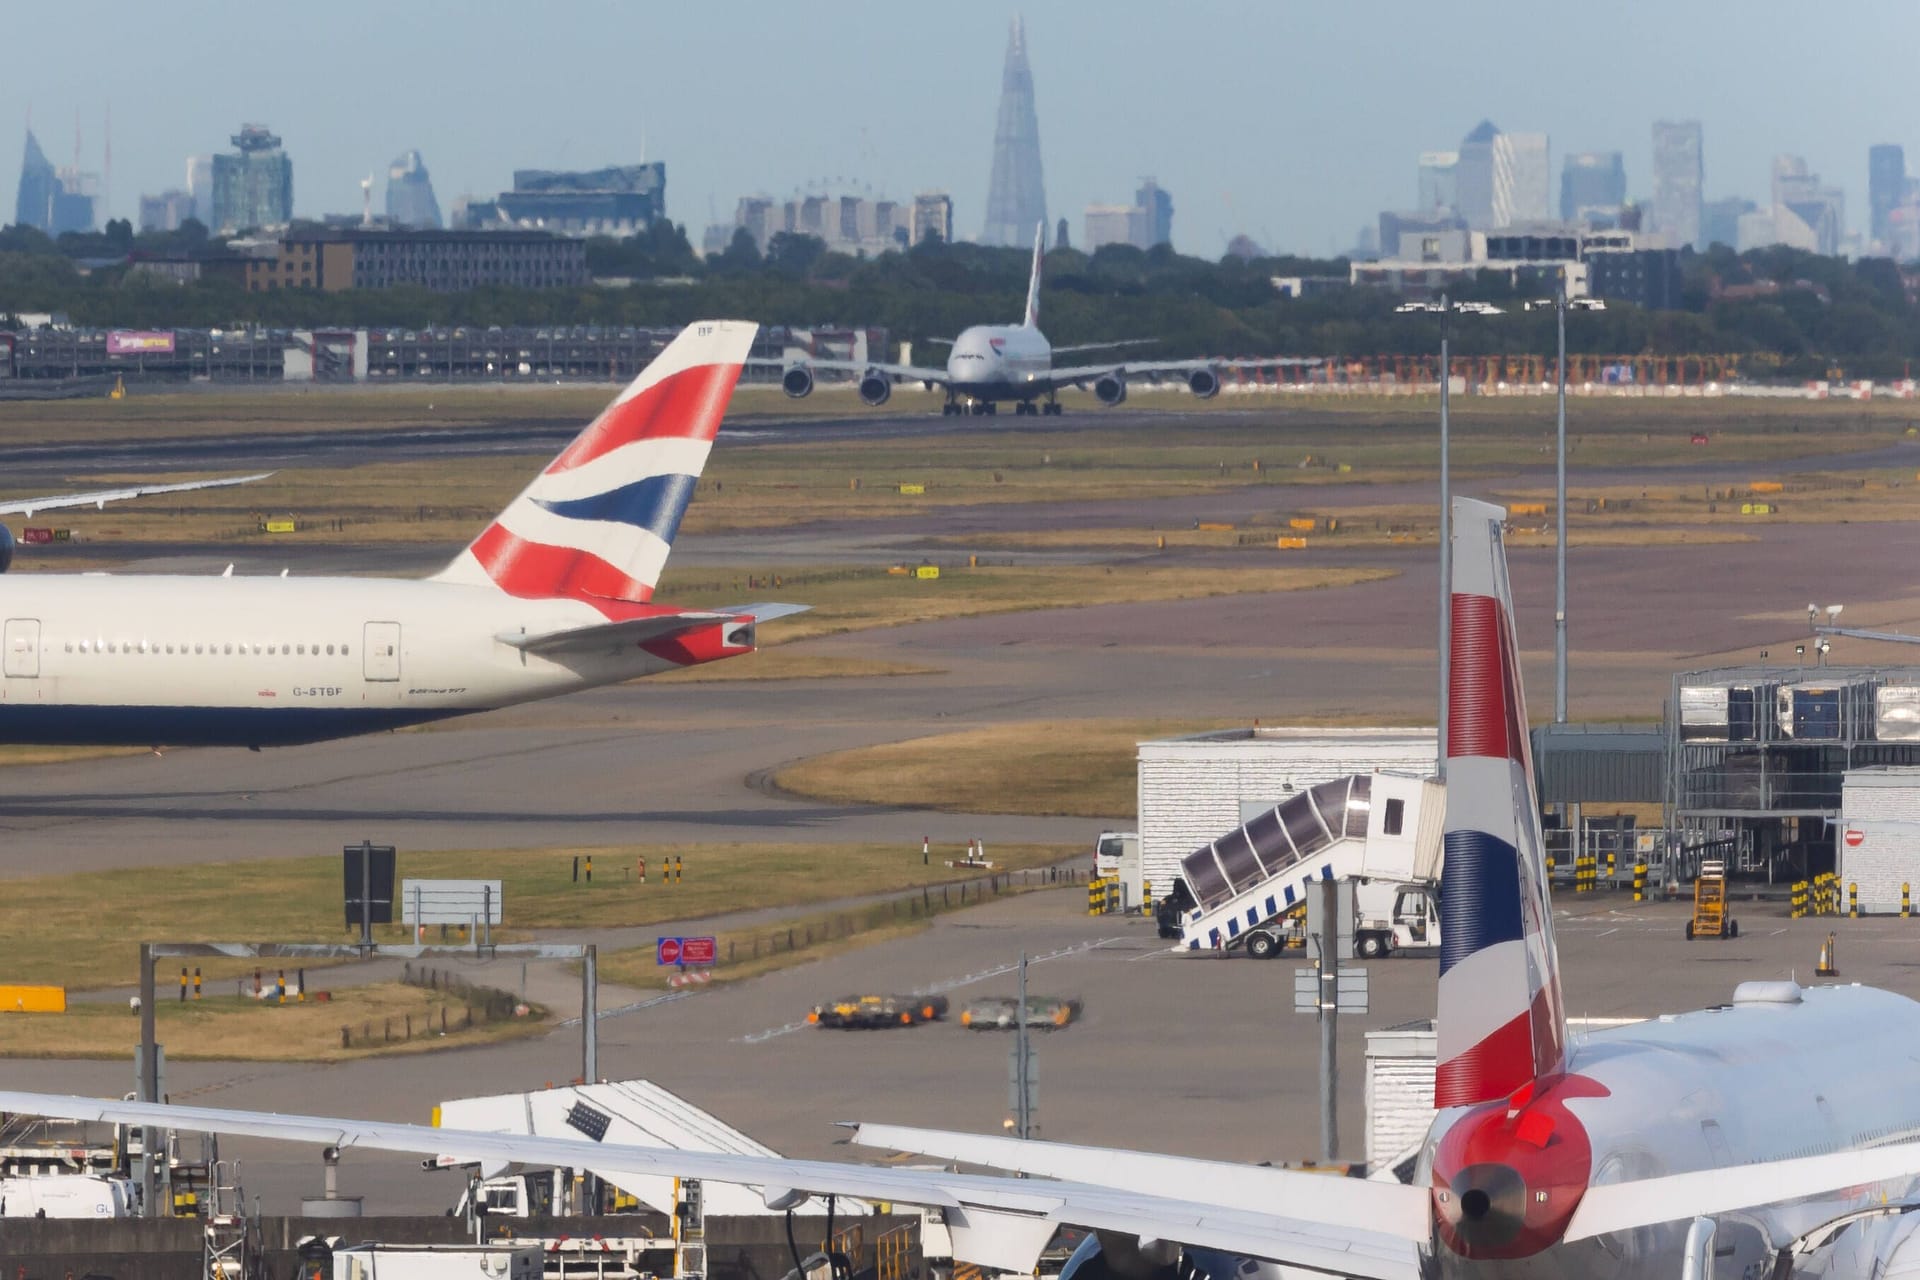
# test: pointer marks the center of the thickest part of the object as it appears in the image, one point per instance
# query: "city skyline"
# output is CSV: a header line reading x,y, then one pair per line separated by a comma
x,y
1338,137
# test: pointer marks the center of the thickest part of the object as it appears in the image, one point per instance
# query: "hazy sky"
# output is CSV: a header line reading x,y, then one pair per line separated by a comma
x,y
1295,123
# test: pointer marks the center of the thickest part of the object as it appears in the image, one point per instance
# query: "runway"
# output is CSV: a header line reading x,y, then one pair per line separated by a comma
x,y
654,762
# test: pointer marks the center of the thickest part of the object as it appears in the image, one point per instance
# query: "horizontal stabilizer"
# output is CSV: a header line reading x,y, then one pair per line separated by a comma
x,y
1389,1208
633,631
609,635
764,611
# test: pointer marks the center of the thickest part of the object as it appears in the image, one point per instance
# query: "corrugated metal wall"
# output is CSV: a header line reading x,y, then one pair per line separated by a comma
x,y
1600,764
1883,806
1191,789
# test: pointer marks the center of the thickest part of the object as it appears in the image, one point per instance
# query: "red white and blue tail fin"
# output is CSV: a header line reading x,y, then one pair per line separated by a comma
x,y
1502,1021
1032,318
597,524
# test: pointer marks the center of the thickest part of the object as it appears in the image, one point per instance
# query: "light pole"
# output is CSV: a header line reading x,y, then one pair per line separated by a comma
x,y
1560,513
1446,539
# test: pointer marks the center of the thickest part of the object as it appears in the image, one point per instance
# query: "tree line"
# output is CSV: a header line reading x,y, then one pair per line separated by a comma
x,y
1784,312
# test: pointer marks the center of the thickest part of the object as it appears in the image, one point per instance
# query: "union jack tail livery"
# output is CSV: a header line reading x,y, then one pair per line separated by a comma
x,y
1501,1019
597,524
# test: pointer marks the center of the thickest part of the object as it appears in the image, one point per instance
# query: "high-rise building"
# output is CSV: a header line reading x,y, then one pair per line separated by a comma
x,y
1485,178
253,185
1157,206
619,200
1679,173
933,216
1806,215
1112,224
1720,220
758,216
1886,186
1532,178
1439,181
410,201
53,200
200,187
166,211
1016,192
33,206
1592,184
1060,240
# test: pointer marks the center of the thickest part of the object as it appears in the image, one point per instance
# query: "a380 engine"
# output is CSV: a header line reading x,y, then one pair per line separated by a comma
x,y
1110,388
875,387
1204,383
6,548
797,382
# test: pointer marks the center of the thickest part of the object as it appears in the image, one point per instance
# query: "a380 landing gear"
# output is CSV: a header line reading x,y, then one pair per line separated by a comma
x,y
981,407
1032,408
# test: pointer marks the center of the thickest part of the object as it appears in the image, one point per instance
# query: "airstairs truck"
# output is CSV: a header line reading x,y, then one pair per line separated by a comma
x,y
1381,830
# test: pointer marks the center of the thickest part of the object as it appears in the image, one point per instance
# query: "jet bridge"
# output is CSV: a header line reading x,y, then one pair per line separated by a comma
x,y
1367,826
632,1113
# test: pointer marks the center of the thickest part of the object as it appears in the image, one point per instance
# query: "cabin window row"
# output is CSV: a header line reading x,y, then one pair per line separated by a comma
x,y
241,648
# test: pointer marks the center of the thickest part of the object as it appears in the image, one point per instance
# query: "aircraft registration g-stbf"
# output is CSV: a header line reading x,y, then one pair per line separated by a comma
x,y
1775,1136
555,595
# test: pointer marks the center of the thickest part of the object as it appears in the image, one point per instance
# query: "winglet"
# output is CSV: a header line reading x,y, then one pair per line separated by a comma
x,y
1501,1020
1032,320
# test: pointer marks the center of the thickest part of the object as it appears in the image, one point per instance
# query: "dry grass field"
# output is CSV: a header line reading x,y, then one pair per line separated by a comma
x,y
386,1018
71,929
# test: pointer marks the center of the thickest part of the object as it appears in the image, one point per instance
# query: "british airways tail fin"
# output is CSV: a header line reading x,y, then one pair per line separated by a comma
x,y
1032,320
598,522
1502,1021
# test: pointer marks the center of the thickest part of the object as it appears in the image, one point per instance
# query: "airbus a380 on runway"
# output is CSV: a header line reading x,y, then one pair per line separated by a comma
x,y
1775,1136
990,363
555,595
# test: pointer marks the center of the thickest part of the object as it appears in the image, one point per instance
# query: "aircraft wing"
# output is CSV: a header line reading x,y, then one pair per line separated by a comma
x,y
902,372
995,1221
101,497
633,631
1624,1206
1105,346
1343,1203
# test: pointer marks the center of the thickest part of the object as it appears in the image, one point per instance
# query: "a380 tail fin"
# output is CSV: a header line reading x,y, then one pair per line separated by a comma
x,y
597,524
1502,1021
1032,319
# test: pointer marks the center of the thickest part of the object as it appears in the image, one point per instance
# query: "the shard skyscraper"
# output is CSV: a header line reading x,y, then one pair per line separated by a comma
x,y
1016,194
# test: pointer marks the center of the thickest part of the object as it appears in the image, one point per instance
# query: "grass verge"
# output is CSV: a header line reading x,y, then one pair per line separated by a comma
x,y
384,1018
1072,768
857,599
74,930
748,953
774,664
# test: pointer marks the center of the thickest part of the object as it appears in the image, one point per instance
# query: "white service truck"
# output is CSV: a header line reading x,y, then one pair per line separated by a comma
x,y
67,1195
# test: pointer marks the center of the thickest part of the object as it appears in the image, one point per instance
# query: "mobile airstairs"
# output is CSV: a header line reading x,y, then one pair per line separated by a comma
x,y
1368,826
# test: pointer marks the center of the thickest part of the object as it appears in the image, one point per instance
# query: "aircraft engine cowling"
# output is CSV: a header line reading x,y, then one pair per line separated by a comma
x,y
797,382
6,548
875,388
1204,383
1110,388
